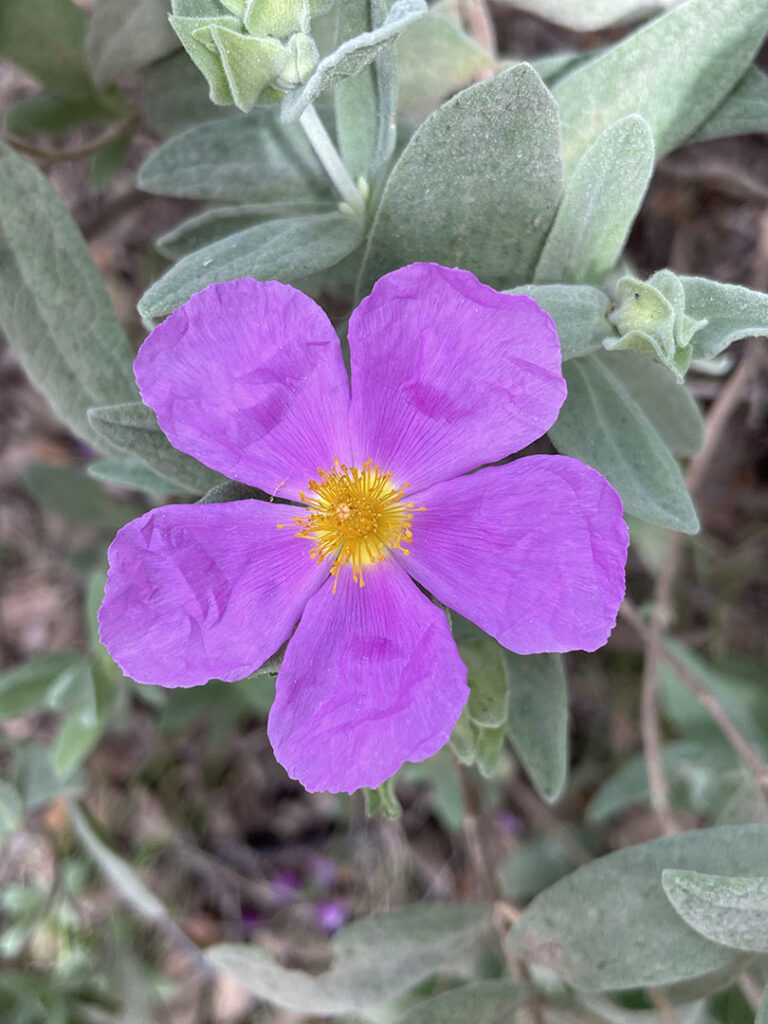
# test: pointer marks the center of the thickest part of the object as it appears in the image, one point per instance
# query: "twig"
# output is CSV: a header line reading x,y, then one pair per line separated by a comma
x,y
723,408
664,1008
480,24
53,156
707,700
480,843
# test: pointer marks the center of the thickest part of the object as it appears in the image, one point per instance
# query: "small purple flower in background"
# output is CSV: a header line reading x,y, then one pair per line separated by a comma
x,y
330,915
447,375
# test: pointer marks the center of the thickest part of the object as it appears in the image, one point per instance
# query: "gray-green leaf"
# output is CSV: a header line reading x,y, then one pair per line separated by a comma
x,y
124,36
118,873
132,428
601,201
477,186
587,15
673,72
482,1002
131,472
669,406
247,158
45,37
731,312
435,59
537,719
487,680
375,960
601,424
609,926
724,909
54,307
742,112
286,250
580,314
352,56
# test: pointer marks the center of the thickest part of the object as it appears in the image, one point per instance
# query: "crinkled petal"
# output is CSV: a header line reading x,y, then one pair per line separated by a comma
x,y
533,552
248,378
371,678
199,592
448,374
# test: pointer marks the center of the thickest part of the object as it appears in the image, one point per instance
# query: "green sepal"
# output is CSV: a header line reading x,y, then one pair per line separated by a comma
x,y
464,738
250,64
194,38
237,7
277,18
651,319
383,800
302,61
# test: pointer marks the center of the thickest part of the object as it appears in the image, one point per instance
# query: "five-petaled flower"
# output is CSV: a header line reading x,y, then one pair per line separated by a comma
x,y
446,375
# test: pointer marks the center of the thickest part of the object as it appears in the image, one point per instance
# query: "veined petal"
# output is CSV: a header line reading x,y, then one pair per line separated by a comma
x,y
199,592
247,377
448,374
371,678
533,552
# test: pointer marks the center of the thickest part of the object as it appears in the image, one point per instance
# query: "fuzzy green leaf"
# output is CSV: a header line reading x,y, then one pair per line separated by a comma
x,y
587,15
580,314
731,312
46,37
609,926
742,112
132,428
601,424
601,201
674,72
731,911
435,59
669,406
122,37
54,307
248,158
487,680
537,719
482,1002
279,250
173,96
477,186
375,960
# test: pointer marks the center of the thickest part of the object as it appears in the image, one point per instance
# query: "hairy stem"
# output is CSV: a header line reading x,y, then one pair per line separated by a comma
x,y
329,157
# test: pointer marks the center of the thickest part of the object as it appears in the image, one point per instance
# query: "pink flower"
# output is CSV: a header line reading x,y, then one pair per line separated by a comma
x,y
447,375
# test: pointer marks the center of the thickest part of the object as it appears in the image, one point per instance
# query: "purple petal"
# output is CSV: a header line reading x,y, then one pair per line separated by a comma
x,y
199,592
533,552
448,374
248,378
371,679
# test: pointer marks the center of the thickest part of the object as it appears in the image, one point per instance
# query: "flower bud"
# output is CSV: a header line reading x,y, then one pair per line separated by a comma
x,y
650,318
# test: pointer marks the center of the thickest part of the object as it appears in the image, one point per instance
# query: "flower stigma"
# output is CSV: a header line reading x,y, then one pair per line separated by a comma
x,y
356,514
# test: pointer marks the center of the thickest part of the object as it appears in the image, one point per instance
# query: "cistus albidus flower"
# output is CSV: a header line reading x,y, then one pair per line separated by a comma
x,y
446,375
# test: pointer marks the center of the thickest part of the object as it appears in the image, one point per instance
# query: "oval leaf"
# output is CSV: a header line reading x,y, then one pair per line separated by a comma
x,y
281,250
731,911
477,186
54,307
673,72
579,312
609,926
248,158
599,206
375,960
601,424
731,311
537,719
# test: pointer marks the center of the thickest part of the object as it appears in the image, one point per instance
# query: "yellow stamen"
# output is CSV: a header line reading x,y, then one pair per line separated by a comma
x,y
358,515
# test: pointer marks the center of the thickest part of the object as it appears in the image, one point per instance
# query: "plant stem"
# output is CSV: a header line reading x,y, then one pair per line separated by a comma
x,y
329,157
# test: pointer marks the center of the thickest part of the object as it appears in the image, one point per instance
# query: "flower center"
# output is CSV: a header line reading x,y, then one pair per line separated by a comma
x,y
358,515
